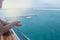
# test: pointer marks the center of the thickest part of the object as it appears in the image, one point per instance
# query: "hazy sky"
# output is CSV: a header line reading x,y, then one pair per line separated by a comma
x,y
31,3
28,4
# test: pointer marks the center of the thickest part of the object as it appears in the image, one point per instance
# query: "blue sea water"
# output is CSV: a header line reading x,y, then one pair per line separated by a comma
x,y
44,26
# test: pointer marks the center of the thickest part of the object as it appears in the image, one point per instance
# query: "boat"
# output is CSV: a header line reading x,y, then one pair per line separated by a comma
x,y
11,35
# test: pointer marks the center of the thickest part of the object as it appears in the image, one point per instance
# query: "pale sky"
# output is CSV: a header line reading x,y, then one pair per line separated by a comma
x,y
31,4
28,4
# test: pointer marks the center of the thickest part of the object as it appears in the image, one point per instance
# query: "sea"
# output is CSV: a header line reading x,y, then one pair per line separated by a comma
x,y
37,24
